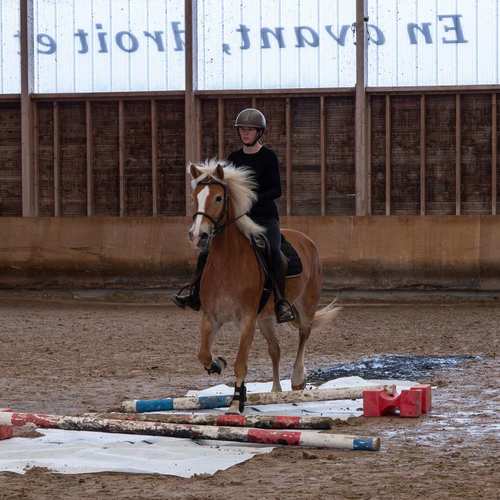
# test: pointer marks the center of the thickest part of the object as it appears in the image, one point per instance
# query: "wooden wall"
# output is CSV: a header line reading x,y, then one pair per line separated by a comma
x,y
430,154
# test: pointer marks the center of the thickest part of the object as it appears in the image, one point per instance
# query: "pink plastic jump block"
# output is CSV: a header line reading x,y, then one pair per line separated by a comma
x,y
6,431
426,391
377,403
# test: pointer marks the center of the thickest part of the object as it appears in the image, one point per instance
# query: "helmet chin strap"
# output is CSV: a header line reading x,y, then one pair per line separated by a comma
x,y
260,133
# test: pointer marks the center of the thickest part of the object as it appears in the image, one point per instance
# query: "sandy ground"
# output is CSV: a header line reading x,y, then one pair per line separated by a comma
x,y
68,357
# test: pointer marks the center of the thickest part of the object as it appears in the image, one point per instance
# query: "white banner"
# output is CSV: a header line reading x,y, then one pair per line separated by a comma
x,y
10,58
138,45
431,42
109,45
276,44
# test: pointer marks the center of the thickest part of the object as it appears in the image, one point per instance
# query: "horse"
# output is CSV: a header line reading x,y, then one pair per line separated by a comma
x,y
232,282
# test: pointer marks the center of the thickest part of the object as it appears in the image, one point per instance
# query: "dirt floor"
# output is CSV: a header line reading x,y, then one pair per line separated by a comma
x,y
73,356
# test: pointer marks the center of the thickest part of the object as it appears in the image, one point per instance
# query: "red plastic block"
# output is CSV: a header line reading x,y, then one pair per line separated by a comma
x,y
6,431
377,403
426,391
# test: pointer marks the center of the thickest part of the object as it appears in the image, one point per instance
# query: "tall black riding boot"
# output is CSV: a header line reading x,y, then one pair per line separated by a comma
x,y
189,296
283,309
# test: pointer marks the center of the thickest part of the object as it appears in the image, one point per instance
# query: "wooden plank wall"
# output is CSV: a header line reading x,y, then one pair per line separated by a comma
x,y
476,155
440,155
10,159
125,155
171,162
378,154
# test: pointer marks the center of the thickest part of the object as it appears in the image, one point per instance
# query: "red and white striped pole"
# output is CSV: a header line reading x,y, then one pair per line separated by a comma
x,y
308,438
228,420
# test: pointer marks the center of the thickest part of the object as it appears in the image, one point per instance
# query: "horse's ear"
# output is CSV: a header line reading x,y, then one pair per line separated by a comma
x,y
219,172
193,170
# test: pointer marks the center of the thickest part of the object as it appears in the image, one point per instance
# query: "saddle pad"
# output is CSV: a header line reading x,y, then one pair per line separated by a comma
x,y
294,262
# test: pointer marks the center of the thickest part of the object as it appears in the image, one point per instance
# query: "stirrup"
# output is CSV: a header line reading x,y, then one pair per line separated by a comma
x,y
189,299
286,313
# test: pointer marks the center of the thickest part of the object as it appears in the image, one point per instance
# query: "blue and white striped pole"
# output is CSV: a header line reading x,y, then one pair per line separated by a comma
x,y
211,402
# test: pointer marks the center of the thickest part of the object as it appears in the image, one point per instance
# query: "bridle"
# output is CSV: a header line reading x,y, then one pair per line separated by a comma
x,y
218,224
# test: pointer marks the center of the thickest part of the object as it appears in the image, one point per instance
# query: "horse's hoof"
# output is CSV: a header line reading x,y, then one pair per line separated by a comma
x,y
217,366
300,387
233,410
239,398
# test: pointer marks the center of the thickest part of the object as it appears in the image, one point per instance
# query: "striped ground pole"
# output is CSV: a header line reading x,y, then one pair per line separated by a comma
x,y
211,402
229,420
305,438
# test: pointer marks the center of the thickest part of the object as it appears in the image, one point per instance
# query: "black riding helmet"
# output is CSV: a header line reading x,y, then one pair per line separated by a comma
x,y
253,118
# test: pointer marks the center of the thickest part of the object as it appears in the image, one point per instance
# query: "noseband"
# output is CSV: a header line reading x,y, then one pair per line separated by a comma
x,y
218,224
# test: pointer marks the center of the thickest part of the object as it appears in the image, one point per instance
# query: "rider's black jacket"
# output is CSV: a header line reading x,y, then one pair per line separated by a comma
x,y
265,166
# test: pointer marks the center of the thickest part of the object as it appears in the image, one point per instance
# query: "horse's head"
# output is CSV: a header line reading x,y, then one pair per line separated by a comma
x,y
210,198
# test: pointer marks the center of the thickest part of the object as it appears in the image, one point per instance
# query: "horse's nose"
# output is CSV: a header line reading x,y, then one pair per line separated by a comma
x,y
203,237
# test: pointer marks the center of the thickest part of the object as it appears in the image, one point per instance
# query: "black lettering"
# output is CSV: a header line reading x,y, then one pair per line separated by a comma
x,y
425,29
456,27
46,41
278,35
103,45
133,43
245,39
342,35
302,41
158,39
179,42
380,40
82,35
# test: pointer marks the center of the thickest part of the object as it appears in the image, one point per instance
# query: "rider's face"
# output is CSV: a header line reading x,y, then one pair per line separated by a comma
x,y
248,135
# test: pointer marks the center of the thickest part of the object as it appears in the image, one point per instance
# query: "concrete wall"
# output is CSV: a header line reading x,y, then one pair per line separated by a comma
x,y
357,252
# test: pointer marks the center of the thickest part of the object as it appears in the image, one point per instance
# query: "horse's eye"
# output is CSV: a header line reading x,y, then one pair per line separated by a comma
x,y
218,199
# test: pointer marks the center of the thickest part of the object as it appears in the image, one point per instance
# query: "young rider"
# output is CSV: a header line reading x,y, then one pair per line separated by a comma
x,y
250,125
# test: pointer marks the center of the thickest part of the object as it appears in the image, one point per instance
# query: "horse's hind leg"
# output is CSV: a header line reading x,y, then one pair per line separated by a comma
x,y
266,326
298,374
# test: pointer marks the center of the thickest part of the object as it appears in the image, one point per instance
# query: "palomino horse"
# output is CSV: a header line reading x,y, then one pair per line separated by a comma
x,y
232,281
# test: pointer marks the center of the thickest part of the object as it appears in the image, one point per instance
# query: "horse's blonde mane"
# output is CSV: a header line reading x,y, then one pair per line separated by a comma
x,y
241,185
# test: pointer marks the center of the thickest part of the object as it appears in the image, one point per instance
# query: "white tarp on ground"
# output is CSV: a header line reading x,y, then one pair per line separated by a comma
x,y
77,452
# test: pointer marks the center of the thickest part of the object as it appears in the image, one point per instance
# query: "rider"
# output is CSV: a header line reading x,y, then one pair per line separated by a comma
x,y
250,125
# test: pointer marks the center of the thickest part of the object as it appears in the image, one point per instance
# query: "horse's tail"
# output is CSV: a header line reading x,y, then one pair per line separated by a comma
x,y
326,315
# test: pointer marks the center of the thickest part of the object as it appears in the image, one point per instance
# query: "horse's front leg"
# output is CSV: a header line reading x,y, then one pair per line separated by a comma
x,y
247,326
208,331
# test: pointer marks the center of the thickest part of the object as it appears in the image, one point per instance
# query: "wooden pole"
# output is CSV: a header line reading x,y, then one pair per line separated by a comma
x,y
90,158
191,74
220,128
423,152
388,149
288,126
154,155
307,438
458,155
57,163
322,134
121,155
494,154
362,178
27,84
229,420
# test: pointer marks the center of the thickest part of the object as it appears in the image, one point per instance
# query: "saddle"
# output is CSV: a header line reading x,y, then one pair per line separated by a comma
x,y
289,257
